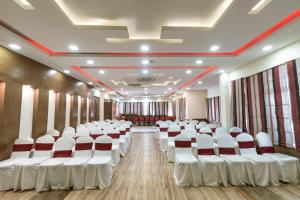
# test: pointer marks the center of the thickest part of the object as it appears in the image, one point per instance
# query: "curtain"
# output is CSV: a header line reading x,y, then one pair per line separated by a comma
x,y
213,109
269,101
137,108
174,108
182,109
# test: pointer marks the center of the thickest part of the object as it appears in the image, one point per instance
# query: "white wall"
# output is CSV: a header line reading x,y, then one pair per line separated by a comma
x,y
196,104
213,92
51,110
68,106
276,58
26,111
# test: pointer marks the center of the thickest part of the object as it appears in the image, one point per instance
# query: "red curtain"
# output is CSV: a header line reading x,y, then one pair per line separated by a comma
x,y
213,109
269,101
182,109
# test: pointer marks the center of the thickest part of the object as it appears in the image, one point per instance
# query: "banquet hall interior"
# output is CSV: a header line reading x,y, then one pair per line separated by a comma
x,y
137,99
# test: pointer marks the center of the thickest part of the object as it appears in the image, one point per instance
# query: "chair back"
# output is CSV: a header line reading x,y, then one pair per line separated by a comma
x,y
213,127
265,143
246,143
235,131
226,144
68,134
221,131
205,144
84,132
22,148
183,144
103,146
54,133
83,146
206,130
43,146
115,135
63,147
69,128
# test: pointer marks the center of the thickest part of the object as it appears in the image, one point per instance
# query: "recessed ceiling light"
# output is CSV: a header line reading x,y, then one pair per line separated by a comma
x,y
221,71
145,62
144,48
14,46
67,71
199,82
90,62
90,83
188,71
101,72
80,83
145,71
103,89
165,92
267,48
145,88
122,89
169,88
214,48
126,92
146,92
170,77
198,62
73,47
188,88
52,72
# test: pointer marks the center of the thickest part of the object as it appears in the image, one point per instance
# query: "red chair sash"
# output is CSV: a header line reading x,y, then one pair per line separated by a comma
x,y
246,144
103,146
183,144
22,147
229,151
213,129
198,130
43,146
206,152
182,127
208,133
163,129
127,129
83,146
55,137
193,140
94,136
122,132
270,149
114,135
173,133
62,154
234,134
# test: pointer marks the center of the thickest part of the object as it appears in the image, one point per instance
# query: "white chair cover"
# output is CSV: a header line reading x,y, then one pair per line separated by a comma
x,y
99,169
54,133
287,166
69,128
213,127
172,132
212,167
206,130
70,134
115,151
221,130
263,168
239,170
74,169
50,171
83,132
20,152
235,131
123,142
25,173
186,169
163,136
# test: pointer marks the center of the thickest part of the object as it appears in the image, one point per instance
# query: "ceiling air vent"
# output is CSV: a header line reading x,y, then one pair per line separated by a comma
x,y
146,80
134,85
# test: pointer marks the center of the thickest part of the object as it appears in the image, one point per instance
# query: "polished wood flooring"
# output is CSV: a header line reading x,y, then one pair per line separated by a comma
x,y
146,174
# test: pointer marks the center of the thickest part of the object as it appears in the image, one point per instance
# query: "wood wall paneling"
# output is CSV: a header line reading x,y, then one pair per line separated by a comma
x,y
83,110
97,105
73,110
92,110
60,111
40,112
107,110
10,122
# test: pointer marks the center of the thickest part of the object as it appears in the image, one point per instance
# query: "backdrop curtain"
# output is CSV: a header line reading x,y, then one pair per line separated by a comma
x,y
154,108
213,109
269,101
182,109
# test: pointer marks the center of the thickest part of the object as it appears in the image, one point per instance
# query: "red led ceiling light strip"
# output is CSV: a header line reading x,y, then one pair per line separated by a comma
x,y
291,17
140,67
84,73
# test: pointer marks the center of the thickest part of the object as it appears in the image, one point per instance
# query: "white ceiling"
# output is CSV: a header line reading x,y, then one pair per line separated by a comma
x,y
49,25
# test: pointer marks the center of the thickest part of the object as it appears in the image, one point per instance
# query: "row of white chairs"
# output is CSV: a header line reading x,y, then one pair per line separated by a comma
x,y
227,163
60,164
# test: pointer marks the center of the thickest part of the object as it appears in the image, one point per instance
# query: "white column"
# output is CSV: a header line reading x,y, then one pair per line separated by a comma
x,y
51,110
26,111
68,106
87,109
225,99
101,107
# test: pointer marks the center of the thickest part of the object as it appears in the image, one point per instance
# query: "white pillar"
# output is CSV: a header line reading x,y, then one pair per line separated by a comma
x,y
177,108
225,99
26,111
51,110
101,107
68,110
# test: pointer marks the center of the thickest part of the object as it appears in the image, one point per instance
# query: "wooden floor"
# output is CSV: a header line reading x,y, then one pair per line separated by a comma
x,y
146,174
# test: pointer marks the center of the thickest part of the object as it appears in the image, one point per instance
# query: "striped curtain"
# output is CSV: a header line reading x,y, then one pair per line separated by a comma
x,y
182,109
269,101
174,108
213,109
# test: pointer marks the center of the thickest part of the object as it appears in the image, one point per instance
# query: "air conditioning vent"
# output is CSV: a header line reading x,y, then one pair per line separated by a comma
x,y
146,80
134,85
